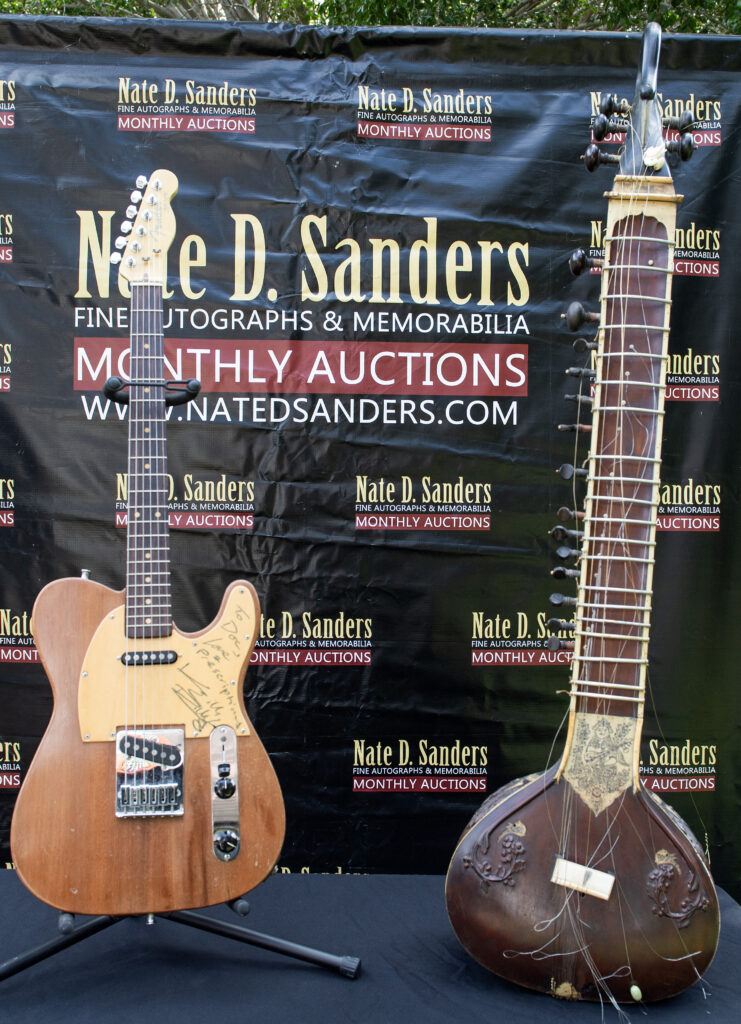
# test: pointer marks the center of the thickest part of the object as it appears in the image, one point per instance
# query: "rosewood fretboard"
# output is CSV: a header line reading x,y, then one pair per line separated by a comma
x,y
148,600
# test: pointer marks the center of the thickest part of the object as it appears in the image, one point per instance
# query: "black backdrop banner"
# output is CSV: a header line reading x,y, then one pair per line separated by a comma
x,y
368,277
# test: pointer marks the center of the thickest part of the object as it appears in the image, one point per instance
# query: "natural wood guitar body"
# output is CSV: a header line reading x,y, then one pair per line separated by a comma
x,y
651,938
69,847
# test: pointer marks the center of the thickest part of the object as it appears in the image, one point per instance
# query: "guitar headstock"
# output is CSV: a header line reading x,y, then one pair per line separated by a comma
x,y
645,147
148,231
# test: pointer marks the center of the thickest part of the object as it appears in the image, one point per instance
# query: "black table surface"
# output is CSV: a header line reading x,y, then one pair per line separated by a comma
x,y
413,969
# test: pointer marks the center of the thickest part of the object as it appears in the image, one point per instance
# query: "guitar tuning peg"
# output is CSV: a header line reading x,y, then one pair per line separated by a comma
x,y
580,399
593,157
126,227
566,552
609,107
684,145
567,471
120,242
136,197
562,599
680,124
561,533
575,428
115,258
565,514
131,212
141,181
579,262
581,371
576,315
582,345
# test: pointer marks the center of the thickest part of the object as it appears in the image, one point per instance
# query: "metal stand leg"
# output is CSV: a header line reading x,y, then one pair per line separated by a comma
x,y
16,964
347,966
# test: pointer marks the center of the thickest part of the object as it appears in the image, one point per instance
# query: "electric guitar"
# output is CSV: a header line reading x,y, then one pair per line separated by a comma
x,y
579,882
150,790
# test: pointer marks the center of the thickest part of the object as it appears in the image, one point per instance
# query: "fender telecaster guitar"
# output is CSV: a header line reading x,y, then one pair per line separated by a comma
x,y
150,790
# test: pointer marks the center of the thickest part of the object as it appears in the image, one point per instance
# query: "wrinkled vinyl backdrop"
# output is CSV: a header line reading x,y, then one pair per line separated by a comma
x,y
368,277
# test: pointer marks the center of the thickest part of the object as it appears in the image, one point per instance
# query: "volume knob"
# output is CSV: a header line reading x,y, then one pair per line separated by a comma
x,y
226,841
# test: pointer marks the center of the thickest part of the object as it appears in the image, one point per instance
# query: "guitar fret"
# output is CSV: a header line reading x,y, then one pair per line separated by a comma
x,y
622,607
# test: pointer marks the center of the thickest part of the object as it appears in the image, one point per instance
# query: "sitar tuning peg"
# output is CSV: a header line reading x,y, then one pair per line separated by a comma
x,y
567,471
553,644
575,428
579,262
680,124
609,106
684,145
576,315
581,371
562,599
593,157
582,345
561,533
565,514
602,126
579,399
562,573
559,625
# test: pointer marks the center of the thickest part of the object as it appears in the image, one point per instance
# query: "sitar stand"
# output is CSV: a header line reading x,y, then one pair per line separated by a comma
x,y
71,934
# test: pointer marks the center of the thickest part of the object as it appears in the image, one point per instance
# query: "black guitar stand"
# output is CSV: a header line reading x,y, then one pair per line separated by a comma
x,y
71,934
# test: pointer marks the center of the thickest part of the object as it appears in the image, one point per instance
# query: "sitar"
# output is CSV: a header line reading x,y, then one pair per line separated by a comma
x,y
578,881
150,790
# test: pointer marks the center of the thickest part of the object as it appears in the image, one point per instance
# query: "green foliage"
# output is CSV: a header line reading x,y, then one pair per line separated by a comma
x,y
702,16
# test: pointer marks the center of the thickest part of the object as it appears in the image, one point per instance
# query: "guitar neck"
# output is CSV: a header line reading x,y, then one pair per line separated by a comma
x,y
613,611
148,596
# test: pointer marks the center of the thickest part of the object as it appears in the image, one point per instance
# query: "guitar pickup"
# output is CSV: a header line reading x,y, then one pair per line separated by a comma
x,y
149,657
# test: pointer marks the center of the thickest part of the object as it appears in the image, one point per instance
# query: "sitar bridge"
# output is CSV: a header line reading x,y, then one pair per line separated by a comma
x,y
149,658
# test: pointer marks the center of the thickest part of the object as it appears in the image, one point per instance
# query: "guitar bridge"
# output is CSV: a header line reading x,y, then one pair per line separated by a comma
x,y
149,773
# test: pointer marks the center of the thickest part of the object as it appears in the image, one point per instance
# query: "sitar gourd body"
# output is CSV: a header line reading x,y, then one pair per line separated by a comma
x,y
578,882
150,790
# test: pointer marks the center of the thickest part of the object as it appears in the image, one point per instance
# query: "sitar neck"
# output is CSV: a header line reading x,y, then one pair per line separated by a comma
x,y
148,598
613,609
